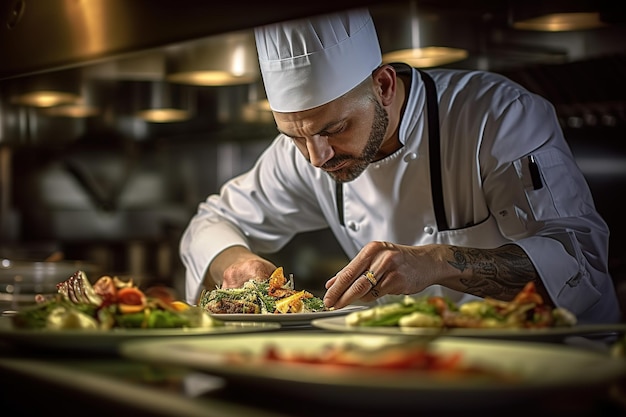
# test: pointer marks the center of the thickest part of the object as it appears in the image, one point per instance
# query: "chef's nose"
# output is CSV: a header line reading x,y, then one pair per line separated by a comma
x,y
319,150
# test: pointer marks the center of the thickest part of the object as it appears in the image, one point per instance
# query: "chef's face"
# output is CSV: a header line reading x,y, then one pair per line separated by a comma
x,y
342,137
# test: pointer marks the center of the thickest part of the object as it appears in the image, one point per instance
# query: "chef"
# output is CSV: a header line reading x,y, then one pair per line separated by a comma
x,y
441,182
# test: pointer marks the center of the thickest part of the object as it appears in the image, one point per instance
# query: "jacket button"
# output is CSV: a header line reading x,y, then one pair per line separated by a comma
x,y
353,226
428,230
410,157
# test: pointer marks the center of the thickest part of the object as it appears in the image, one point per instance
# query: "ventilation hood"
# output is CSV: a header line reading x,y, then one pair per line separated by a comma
x,y
581,72
41,35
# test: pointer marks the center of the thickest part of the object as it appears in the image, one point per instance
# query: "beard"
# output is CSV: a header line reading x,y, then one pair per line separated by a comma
x,y
360,163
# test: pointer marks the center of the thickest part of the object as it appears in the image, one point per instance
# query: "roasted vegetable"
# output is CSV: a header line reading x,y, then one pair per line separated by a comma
x,y
109,303
276,295
526,310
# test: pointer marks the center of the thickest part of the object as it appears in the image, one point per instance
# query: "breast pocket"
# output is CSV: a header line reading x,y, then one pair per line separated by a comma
x,y
554,185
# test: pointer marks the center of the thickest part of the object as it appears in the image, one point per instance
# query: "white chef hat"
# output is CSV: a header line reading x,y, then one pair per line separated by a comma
x,y
309,62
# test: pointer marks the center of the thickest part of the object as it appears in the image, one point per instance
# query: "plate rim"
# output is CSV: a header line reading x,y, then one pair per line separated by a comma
x,y
289,318
333,324
105,341
142,350
135,332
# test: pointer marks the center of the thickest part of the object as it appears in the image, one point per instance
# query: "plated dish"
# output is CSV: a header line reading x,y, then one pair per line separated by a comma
x,y
538,369
339,324
291,319
107,341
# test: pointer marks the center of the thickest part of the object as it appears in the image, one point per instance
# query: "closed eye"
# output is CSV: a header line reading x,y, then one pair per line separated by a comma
x,y
327,131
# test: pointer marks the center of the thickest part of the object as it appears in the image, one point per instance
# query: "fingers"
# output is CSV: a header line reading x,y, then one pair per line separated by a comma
x,y
354,282
345,288
240,272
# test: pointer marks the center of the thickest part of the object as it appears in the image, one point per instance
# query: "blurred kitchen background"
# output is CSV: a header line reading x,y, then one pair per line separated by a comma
x,y
161,102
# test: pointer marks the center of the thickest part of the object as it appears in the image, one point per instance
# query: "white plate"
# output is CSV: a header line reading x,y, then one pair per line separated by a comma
x,y
291,319
543,369
546,334
102,341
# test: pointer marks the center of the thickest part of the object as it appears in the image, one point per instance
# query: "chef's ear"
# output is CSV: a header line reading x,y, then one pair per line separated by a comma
x,y
385,84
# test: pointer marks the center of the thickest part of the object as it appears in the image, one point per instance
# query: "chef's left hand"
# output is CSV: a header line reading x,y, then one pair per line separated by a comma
x,y
393,269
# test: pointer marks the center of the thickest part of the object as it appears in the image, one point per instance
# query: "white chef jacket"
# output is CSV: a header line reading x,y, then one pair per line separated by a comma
x,y
489,126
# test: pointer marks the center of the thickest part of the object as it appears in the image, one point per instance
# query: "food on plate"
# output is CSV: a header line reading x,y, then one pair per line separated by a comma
x,y
406,355
526,310
276,295
110,303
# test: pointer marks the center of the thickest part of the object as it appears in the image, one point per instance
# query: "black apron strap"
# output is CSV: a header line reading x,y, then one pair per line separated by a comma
x,y
339,201
434,151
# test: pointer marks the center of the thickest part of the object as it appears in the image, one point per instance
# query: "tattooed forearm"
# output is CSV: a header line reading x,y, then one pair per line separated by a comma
x,y
499,273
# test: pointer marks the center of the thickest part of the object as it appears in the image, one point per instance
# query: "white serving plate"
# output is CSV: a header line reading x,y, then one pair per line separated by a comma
x,y
338,324
542,369
290,319
107,341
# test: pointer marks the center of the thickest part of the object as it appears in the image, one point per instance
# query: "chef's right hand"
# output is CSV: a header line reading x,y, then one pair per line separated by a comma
x,y
382,268
237,265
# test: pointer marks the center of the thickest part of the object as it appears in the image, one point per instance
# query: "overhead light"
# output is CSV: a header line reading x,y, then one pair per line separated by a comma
x,y
82,108
561,22
555,15
44,98
46,90
422,48
165,115
76,110
227,59
165,103
429,56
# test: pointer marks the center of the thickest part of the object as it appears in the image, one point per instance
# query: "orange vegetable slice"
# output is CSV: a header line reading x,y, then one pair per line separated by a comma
x,y
131,300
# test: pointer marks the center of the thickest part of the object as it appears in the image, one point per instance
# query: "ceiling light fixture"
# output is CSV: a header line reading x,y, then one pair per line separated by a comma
x,y
423,51
44,98
46,90
554,15
561,22
228,59
82,108
166,103
77,110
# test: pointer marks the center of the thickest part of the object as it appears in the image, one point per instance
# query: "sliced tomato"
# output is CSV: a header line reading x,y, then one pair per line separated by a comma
x,y
131,300
131,295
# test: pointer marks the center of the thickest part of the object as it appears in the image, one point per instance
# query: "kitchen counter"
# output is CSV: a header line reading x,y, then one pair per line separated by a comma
x,y
40,381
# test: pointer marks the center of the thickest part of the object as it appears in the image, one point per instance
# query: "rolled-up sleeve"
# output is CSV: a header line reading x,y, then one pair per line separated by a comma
x,y
542,202
261,210
200,243
570,279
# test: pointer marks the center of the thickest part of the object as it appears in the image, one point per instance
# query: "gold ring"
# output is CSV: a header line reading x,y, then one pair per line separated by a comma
x,y
371,278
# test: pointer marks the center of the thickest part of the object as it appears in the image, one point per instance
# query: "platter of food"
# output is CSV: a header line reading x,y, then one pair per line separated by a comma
x,y
273,300
546,334
524,317
98,316
386,373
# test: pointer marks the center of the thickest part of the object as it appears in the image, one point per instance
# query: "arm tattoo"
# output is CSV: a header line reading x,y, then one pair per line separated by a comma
x,y
500,273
